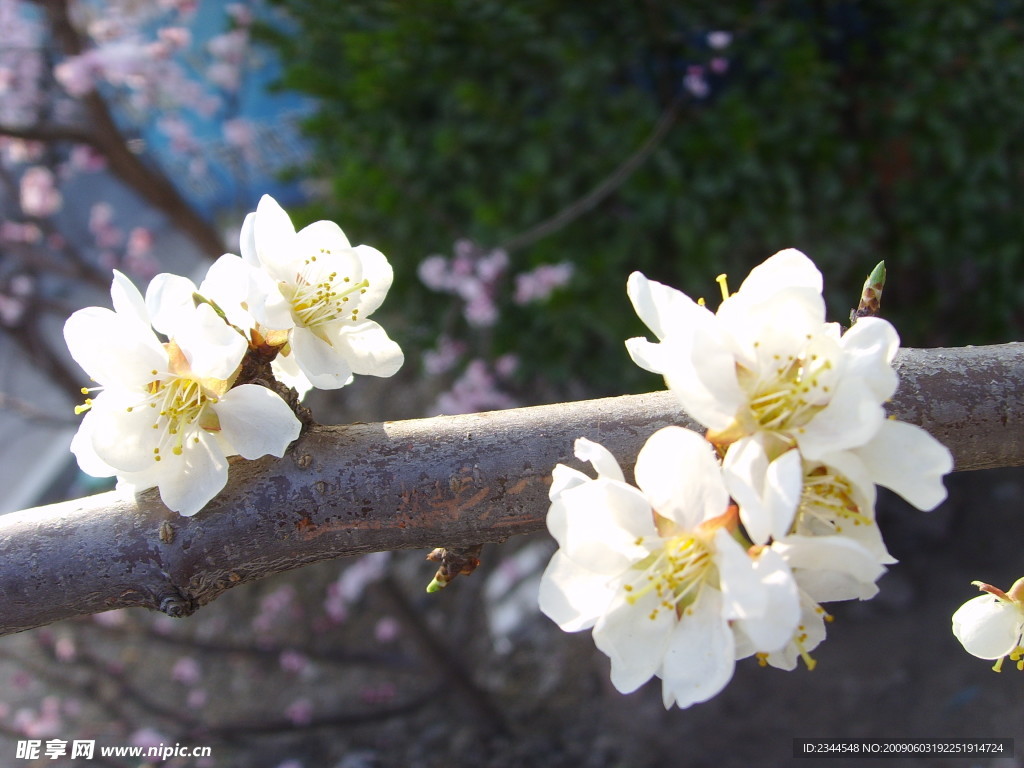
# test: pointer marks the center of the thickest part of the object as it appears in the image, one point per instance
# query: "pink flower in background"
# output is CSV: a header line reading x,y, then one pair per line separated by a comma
x,y
293,661
444,356
541,282
186,671
695,82
148,737
39,194
300,712
719,39
474,391
471,274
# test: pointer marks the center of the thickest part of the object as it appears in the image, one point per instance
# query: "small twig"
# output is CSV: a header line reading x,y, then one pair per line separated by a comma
x,y
608,185
454,676
455,561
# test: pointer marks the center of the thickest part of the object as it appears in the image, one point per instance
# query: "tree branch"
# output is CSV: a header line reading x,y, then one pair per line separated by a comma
x,y
105,136
450,480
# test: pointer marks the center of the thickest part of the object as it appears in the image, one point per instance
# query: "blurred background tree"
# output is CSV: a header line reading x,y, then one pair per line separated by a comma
x,y
854,130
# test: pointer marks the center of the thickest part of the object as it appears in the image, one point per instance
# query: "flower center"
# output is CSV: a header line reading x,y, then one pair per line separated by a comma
x,y
828,499
789,393
182,408
675,574
318,297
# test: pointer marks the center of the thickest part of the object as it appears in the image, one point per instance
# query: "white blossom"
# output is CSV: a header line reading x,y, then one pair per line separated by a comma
x,y
329,289
766,363
166,414
826,569
656,572
797,406
991,626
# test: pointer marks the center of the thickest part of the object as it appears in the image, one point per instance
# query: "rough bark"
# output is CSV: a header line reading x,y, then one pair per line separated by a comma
x,y
445,481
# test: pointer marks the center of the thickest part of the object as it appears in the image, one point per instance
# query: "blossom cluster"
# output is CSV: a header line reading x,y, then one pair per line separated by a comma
x,y
730,541
172,400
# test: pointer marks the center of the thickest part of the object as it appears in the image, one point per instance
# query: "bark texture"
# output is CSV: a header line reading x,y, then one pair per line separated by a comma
x,y
445,481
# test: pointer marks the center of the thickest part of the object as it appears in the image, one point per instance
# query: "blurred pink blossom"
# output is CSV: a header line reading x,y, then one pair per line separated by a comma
x,y
186,671
353,581
695,82
474,391
240,13
147,737
278,606
293,661
64,649
39,194
300,712
42,724
472,275
719,39
538,284
444,356
387,629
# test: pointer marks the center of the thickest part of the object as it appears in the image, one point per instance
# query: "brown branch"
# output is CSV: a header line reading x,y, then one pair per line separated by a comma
x,y
105,136
50,133
451,480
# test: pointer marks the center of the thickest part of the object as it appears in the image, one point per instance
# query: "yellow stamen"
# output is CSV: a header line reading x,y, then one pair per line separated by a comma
x,y
723,284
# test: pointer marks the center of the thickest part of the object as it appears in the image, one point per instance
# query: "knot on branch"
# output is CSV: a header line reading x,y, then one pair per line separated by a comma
x,y
175,604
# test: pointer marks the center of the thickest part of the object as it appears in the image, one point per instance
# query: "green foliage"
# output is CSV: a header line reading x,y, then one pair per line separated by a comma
x,y
855,131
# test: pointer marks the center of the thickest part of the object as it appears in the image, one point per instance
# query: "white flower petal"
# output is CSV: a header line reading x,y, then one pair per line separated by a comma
x,y
326,236
607,525
700,657
213,348
788,268
810,634
869,348
287,371
744,471
113,350
274,240
169,298
663,309
771,630
988,627
906,459
247,241
378,273
81,445
368,350
571,596
322,364
256,421
193,478
680,475
127,300
633,640
122,433
563,478
743,596
600,458
831,568
850,420
783,488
